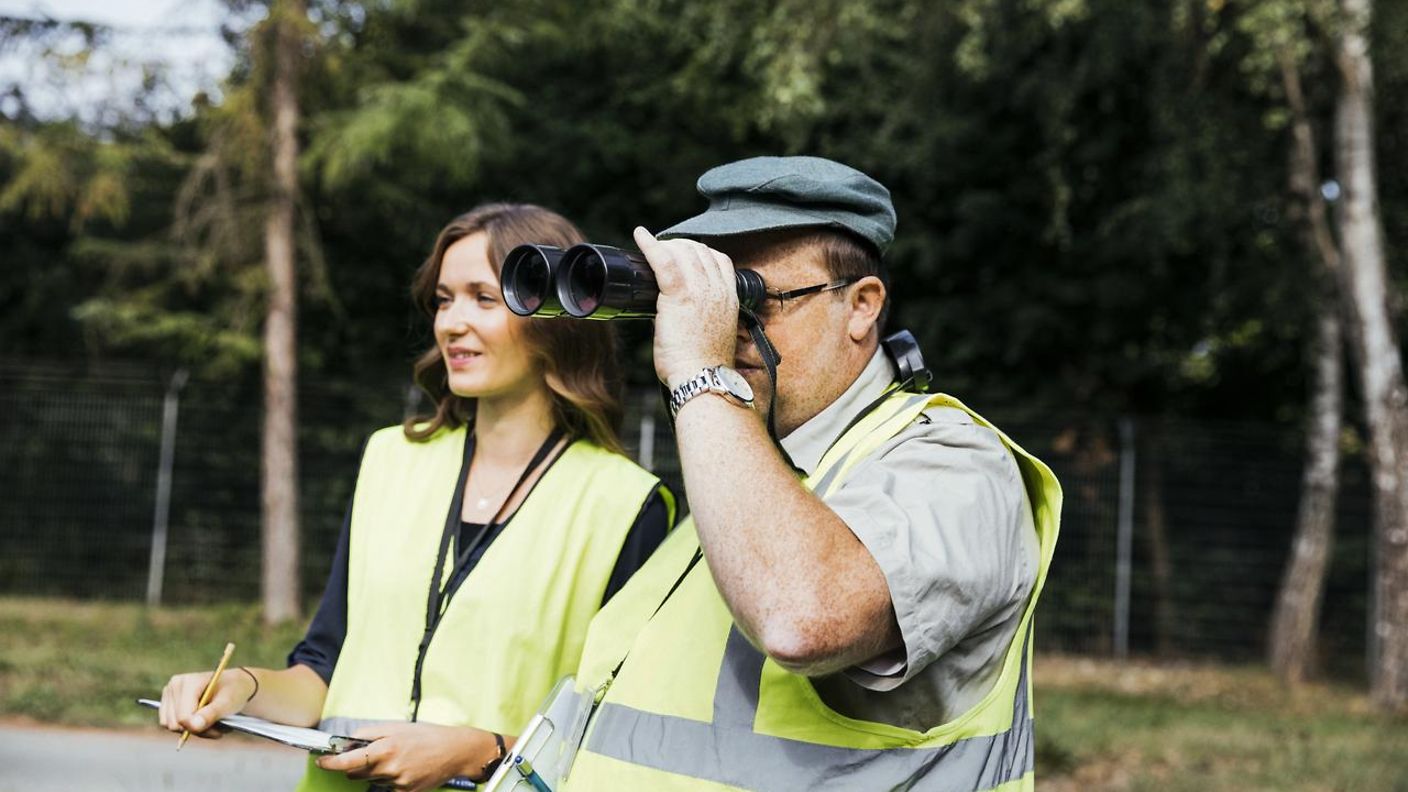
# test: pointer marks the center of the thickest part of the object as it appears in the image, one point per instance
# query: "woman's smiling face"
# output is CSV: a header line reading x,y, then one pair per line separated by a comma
x,y
479,338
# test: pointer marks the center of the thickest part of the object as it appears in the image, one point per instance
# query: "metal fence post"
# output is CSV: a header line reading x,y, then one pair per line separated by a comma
x,y
646,456
1124,542
156,570
410,404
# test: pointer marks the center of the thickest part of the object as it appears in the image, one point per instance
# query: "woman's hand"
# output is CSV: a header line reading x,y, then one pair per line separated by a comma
x,y
415,756
181,697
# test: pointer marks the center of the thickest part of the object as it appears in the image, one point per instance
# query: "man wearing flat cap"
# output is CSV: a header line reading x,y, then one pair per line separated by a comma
x,y
861,618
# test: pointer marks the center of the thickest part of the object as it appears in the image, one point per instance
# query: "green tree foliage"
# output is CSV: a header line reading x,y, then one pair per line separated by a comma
x,y
66,199
1096,188
1092,193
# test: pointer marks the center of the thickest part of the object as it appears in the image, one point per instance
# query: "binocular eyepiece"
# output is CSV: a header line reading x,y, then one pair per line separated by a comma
x,y
593,282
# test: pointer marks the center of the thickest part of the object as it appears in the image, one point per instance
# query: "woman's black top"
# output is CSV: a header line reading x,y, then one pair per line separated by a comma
x,y
322,644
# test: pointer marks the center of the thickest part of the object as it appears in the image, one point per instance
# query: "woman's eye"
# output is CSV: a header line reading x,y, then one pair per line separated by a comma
x,y
439,301
485,298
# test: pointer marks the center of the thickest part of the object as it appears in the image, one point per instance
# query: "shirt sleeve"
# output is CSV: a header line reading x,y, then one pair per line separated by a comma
x,y
322,644
942,509
652,524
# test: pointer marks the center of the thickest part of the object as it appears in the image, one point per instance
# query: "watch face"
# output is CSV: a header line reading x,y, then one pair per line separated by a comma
x,y
735,383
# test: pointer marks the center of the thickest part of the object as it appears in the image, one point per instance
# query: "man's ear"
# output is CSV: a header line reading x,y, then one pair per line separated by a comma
x,y
867,298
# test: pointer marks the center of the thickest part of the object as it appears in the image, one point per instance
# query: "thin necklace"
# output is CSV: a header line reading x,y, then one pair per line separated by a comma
x,y
483,502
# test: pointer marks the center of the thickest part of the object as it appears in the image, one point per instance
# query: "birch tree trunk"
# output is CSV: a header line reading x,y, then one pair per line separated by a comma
x,y
279,486
1380,365
1295,623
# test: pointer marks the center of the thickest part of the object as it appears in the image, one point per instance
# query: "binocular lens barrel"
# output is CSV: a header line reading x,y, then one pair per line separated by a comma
x,y
594,282
602,282
529,278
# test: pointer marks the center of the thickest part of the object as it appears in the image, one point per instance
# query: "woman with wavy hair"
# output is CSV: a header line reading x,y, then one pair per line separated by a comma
x,y
479,543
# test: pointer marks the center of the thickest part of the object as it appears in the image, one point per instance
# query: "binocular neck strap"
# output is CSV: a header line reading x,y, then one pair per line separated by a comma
x,y
771,359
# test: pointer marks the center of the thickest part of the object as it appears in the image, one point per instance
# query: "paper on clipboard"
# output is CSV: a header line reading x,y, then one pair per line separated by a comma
x,y
295,736
549,742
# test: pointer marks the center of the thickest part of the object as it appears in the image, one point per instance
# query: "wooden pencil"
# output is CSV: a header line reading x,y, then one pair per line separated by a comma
x,y
209,688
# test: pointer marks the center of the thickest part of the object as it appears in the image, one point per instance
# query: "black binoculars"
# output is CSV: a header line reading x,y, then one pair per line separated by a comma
x,y
593,282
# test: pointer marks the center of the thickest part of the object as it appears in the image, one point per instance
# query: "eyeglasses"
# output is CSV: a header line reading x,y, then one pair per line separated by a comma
x,y
776,302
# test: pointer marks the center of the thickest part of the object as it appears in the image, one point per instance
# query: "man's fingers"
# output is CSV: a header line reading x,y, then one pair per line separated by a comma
x,y
713,271
679,264
662,260
697,263
645,240
723,266
702,262
724,263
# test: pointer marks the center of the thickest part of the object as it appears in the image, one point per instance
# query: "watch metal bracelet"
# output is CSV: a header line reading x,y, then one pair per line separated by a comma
x,y
715,379
703,381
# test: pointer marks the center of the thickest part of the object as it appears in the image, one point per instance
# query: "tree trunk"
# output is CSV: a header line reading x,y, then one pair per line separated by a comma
x,y
1380,366
1295,623
279,491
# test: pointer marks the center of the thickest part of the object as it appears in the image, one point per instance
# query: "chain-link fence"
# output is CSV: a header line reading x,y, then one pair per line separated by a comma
x,y
1173,538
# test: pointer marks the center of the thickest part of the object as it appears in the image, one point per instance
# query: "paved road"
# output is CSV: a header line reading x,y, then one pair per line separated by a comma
x,y
43,759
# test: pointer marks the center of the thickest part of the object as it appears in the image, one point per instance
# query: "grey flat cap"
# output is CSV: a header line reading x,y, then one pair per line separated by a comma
x,y
770,193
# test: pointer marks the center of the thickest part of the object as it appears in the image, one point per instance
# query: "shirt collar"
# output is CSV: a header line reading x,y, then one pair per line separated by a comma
x,y
808,442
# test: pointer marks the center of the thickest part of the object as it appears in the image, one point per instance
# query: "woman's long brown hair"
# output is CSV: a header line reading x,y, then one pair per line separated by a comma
x,y
578,359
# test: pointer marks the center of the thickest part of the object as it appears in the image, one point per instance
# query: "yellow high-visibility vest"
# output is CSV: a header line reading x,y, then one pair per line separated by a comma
x,y
696,707
517,622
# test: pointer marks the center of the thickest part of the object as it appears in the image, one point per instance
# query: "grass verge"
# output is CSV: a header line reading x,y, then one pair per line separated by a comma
x,y
1140,726
84,663
1101,725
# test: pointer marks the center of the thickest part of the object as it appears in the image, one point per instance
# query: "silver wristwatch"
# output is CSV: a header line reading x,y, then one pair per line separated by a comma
x,y
717,379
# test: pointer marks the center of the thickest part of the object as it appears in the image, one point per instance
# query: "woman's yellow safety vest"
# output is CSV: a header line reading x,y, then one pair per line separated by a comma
x,y
517,622
696,707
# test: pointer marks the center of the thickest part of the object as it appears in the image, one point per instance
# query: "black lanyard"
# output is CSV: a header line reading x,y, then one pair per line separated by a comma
x,y
908,384
770,358
698,554
439,596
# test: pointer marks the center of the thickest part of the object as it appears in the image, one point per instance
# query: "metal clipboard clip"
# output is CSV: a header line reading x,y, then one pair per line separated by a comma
x,y
543,753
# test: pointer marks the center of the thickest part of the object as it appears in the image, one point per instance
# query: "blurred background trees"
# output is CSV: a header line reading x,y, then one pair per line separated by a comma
x,y
1105,207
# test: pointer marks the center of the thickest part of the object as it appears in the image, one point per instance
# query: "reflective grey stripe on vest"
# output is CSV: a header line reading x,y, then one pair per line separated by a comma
x,y
728,751
343,727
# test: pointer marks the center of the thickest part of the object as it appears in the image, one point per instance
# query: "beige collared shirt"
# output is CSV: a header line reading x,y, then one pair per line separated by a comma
x,y
942,509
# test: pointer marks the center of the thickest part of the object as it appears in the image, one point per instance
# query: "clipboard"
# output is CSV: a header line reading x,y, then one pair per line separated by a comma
x,y
547,745
305,739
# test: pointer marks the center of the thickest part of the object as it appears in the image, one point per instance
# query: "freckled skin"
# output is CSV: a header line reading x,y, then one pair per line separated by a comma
x,y
797,581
